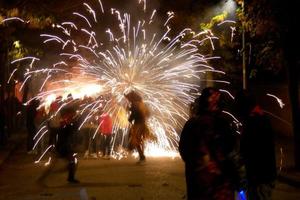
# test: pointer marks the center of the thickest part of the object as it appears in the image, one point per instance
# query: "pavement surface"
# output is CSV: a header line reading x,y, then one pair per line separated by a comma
x,y
285,161
158,178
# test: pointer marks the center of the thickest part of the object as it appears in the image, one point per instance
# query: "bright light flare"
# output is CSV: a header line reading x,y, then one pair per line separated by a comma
x,y
128,55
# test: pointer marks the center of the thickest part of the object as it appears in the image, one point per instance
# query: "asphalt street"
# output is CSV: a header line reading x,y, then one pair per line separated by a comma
x,y
158,178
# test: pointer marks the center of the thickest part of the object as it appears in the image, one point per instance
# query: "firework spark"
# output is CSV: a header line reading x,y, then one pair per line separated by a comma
x,y
127,55
281,104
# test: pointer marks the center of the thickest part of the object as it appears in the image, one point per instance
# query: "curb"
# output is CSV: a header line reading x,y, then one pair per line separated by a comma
x,y
289,179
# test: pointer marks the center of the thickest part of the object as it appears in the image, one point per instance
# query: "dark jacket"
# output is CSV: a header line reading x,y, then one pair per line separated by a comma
x,y
258,148
205,144
65,144
207,133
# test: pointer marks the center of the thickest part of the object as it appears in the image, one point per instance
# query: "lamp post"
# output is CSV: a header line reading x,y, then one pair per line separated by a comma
x,y
244,52
230,6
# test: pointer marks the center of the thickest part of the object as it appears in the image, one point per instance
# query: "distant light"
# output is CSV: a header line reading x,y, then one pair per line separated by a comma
x,y
229,5
17,44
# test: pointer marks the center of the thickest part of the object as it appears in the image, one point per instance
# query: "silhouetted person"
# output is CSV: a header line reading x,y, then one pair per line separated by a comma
x,y
139,131
91,136
257,147
31,113
66,143
12,110
39,122
54,120
205,145
64,147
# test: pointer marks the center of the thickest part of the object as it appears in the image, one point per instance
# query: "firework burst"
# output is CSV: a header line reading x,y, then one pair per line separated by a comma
x,y
128,54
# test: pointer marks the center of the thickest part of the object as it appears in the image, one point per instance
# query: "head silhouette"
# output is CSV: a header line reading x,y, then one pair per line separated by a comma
x,y
208,100
133,96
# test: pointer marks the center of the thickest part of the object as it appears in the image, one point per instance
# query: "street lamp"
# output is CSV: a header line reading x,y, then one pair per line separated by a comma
x,y
230,6
244,52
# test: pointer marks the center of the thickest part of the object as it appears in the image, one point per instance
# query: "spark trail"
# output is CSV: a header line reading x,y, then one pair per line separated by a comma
x,y
128,54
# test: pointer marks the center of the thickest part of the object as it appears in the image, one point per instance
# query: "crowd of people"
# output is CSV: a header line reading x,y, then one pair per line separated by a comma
x,y
223,157
68,129
63,137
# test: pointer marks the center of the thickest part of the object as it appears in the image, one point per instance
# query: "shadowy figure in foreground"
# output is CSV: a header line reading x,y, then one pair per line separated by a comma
x,y
31,113
139,131
206,145
257,147
64,147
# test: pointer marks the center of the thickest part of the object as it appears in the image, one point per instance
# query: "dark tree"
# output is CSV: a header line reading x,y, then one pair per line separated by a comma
x,y
271,26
